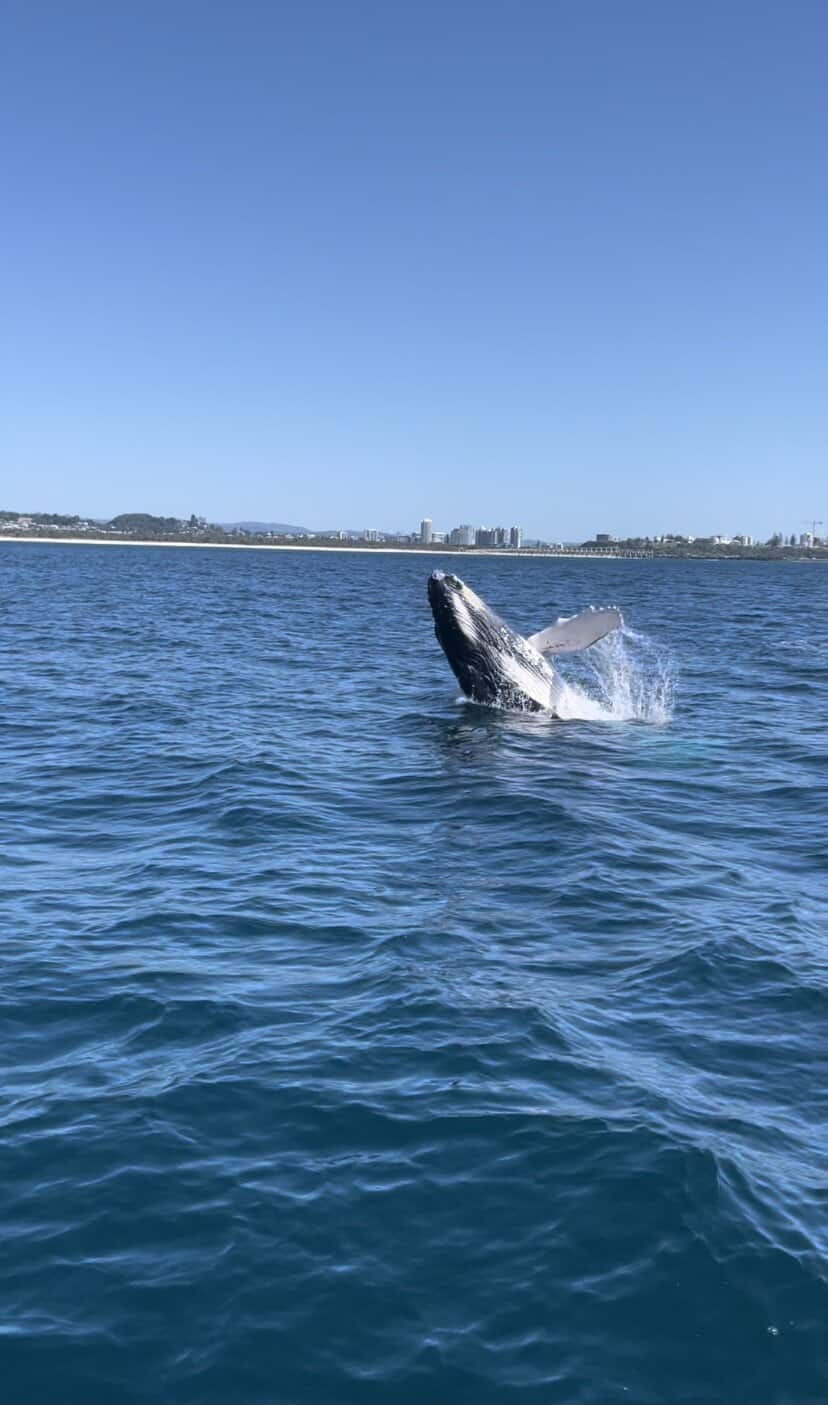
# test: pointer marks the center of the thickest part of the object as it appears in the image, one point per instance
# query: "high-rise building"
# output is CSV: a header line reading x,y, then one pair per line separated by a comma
x,y
426,531
516,537
484,536
462,536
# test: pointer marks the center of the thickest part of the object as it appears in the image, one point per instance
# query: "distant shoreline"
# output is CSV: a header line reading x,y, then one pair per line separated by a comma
x,y
296,546
785,554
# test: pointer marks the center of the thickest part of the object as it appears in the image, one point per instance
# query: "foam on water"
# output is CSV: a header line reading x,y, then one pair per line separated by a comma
x,y
624,677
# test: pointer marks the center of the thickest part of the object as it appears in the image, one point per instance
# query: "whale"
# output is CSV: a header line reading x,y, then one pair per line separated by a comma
x,y
498,667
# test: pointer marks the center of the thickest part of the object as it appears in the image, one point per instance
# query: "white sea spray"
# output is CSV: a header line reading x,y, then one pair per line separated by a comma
x,y
625,677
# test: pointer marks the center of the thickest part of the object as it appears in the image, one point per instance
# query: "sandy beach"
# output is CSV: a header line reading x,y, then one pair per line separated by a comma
x,y
296,546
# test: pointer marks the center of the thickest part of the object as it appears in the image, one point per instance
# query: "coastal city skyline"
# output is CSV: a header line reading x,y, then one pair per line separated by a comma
x,y
463,529
466,536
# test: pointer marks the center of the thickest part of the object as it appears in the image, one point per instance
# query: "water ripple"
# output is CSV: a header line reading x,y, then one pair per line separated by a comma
x,y
361,1046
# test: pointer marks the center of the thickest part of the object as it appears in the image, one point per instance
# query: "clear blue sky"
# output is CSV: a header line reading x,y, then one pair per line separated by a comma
x,y
561,264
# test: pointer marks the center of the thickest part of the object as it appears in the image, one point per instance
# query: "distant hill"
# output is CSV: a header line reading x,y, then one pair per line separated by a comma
x,y
281,529
145,522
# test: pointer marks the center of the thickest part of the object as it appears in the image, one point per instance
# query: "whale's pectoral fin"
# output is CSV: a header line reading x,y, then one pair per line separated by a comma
x,y
578,632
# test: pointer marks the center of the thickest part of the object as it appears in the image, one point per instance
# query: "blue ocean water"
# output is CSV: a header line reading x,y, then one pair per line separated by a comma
x,y
360,1045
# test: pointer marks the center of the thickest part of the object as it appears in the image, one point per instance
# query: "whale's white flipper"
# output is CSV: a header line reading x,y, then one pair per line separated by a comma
x,y
578,632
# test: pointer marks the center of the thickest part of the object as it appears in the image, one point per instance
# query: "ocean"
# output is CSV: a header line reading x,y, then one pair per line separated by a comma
x,y
361,1044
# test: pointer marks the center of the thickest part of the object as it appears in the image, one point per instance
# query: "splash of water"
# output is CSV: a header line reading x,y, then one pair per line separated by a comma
x,y
624,677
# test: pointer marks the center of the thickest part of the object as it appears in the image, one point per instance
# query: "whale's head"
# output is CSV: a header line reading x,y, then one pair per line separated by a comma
x,y
491,663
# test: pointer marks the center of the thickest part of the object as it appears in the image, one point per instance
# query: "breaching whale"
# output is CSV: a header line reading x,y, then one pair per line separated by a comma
x,y
495,665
